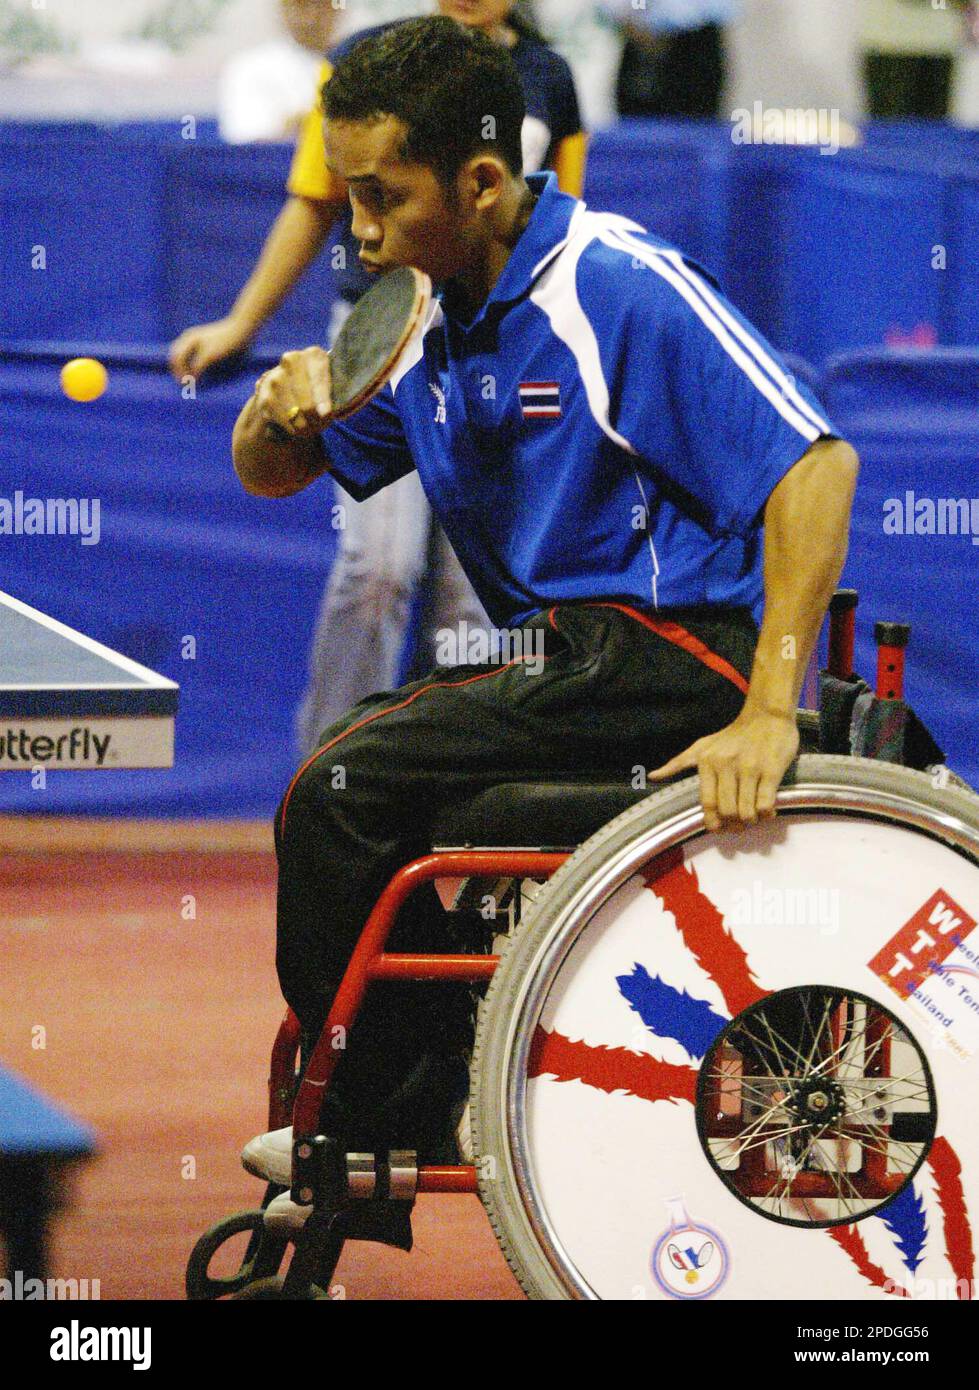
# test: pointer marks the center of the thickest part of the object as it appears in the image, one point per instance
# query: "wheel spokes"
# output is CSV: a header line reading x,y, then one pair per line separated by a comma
x,y
804,1106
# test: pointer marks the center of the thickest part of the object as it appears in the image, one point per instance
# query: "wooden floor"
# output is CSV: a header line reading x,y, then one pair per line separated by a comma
x,y
141,956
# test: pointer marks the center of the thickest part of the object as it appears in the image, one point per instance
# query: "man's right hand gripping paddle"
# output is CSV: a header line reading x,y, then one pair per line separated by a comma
x,y
308,389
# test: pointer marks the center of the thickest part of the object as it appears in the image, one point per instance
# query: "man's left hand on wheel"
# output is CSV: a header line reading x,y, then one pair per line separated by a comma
x,y
740,767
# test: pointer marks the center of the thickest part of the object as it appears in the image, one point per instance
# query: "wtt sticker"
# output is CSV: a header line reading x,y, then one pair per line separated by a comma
x,y
933,964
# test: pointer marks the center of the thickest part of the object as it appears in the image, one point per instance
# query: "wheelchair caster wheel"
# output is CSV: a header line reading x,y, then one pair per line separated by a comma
x,y
265,1290
261,1260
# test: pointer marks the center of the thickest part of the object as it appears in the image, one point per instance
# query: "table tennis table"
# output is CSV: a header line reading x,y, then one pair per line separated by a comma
x,y
69,703
37,1141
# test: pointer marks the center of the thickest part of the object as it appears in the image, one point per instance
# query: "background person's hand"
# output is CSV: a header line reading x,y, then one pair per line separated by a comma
x,y
296,395
206,345
741,767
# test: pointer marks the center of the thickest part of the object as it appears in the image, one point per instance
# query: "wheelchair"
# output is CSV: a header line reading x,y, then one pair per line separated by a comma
x,y
706,1065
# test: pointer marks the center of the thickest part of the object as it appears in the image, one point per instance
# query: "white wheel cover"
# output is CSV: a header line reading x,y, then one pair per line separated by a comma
x,y
622,1188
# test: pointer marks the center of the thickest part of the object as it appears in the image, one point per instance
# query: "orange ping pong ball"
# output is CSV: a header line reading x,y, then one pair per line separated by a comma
x,y
84,379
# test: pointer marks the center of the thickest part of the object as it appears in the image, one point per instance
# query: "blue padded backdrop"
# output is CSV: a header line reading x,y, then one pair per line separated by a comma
x,y
145,231
218,205
855,256
670,176
87,202
961,276
184,552
913,418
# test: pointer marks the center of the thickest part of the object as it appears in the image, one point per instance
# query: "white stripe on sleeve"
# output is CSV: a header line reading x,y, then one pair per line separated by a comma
x,y
657,263
781,378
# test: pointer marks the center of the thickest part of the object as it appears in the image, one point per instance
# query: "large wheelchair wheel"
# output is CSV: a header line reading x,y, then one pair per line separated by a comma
x,y
744,1065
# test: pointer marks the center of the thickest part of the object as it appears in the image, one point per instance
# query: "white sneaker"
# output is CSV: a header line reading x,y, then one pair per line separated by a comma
x,y
269,1156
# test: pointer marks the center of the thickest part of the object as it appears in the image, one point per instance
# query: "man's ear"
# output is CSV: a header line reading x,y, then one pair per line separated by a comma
x,y
483,181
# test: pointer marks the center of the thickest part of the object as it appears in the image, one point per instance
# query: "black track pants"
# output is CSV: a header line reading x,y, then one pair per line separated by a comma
x,y
600,691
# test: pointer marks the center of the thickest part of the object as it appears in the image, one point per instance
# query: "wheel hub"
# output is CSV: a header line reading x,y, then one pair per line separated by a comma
x,y
816,1101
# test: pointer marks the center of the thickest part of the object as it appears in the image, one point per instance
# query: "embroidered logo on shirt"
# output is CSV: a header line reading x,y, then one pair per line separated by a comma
x,y
439,395
540,400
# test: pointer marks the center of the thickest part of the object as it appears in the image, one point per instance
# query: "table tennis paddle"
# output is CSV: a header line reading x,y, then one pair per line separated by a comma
x,y
371,341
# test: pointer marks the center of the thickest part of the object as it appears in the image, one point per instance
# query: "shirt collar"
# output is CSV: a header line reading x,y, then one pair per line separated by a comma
x,y
544,236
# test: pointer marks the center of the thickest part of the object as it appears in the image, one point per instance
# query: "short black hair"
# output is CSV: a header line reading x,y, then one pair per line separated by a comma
x,y
457,92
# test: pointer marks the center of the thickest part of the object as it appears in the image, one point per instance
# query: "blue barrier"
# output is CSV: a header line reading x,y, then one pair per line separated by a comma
x,y
856,256
725,204
764,184
142,231
669,176
191,575
921,139
219,203
80,253
961,275
912,416
184,553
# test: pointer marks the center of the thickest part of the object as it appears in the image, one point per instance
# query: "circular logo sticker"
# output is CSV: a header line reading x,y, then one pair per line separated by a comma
x,y
690,1260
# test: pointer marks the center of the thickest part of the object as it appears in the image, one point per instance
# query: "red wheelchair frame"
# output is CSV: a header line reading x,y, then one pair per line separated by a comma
x,y
370,962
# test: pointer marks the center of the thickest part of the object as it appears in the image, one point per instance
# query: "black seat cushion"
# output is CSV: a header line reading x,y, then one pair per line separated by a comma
x,y
534,814
555,815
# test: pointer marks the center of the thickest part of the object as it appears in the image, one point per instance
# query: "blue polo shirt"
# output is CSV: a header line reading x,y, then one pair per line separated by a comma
x,y
608,426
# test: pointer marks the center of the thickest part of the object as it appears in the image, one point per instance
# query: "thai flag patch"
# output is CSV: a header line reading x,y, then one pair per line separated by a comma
x,y
540,400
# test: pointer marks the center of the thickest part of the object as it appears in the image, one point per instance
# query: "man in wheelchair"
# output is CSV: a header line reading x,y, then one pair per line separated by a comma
x,y
630,479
